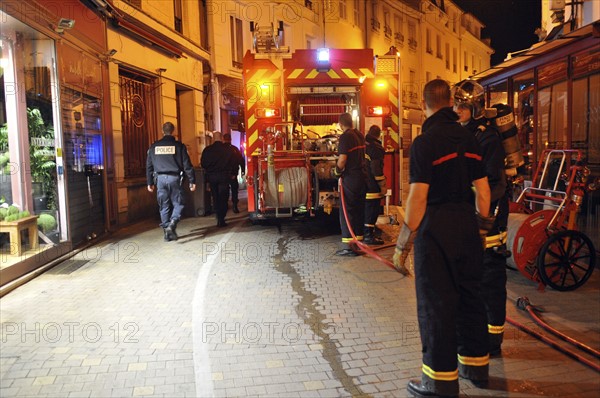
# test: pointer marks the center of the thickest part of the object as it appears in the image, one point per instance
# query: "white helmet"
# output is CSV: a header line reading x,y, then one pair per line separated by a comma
x,y
470,93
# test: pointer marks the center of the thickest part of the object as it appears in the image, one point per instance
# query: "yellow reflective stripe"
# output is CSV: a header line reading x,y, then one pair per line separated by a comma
x,y
495,329
346,240
373,195
359,237
379,178
312,74
367,156
369,225
349,73
333,74
495,240
474,361
295,73
443,376
367,72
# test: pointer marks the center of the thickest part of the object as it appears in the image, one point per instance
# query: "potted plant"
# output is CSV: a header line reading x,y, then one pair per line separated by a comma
x,y
43,161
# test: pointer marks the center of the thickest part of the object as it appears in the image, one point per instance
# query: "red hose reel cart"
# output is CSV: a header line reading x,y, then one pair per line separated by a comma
x,y
542,231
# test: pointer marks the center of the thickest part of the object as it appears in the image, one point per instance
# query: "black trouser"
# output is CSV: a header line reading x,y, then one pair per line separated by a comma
x,y
448,256
372,211
235,187
354,199
170,198
493,289
219,187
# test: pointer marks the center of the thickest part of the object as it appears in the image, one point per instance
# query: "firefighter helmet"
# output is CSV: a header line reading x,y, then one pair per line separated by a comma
x,y
470,93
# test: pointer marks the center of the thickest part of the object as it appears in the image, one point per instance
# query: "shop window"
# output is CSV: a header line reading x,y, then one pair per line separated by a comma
x,y
585,122
552,117
523,104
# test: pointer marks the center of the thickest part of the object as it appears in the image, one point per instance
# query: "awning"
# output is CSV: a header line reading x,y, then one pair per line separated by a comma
x,y
537,50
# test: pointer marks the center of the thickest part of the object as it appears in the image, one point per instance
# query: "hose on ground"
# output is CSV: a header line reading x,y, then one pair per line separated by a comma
x,y
365,248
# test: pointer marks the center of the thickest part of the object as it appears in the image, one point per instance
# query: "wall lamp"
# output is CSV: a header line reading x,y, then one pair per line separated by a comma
x,y
112,52
64,24
161,70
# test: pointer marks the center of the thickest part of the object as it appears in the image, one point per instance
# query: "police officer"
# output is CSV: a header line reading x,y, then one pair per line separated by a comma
x,y
351,167
376,188
444,163
166,163
469,104
218,161
239,163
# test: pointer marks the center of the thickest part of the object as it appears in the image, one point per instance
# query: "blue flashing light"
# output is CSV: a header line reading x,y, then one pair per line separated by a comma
x,y
323,55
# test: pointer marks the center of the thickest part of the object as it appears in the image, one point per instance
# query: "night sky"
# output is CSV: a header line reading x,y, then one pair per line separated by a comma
x,y
509,23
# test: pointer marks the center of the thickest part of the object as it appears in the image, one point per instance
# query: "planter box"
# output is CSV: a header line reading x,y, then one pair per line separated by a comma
x,y
14,228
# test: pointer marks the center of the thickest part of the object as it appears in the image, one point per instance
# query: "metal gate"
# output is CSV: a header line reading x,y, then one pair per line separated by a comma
x,y
139,121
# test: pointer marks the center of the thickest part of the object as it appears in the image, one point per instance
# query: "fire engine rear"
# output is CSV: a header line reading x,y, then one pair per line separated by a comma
x,y
292,105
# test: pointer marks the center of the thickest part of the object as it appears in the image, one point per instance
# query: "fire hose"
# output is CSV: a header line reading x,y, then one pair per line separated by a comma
x,y
524,304
365,248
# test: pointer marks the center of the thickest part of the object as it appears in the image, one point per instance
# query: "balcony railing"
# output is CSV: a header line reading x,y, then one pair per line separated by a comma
x,y
375,24
399,37
412,44
387,30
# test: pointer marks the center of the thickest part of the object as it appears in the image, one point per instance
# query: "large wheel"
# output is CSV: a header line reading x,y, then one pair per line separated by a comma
x,y
566,260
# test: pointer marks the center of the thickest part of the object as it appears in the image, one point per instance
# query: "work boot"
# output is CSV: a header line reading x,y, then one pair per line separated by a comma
x,y
235,207
417,389
167,238
170,230
370,238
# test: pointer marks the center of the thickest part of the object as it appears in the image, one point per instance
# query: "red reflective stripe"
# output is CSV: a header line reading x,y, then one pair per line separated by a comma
x,y
356,147
445,158
472,155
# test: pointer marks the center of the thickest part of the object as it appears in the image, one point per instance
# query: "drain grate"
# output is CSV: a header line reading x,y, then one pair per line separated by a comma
x,y
67,267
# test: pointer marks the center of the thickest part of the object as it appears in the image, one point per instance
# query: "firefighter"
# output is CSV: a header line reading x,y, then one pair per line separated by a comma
x,y
166,163
218,161
351,167
376,188
445,161
469,104
238,163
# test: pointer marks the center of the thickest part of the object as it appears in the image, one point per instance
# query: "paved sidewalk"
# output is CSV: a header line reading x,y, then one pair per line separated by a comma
x,y
253,311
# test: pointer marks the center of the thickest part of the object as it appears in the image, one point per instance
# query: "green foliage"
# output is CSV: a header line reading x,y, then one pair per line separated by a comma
x,y
12,210
43,159
23,214
12,217
46,222
3,212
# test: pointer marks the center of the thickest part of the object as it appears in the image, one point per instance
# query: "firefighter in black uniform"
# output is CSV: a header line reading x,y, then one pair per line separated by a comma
x,y
166,164
469,104
239,163
218,161
445,162
351,167
376,188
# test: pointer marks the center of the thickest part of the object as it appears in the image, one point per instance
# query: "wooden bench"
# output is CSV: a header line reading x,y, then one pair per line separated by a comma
x,y
14,228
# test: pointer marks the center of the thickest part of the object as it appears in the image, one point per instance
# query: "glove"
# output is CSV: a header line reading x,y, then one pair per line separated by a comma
x,y
485,225
337,173
404,245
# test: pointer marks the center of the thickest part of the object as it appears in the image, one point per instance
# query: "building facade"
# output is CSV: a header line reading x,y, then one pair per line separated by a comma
x,y
88,84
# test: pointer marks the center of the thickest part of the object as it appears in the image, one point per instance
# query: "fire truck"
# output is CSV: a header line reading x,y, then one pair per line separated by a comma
x,y
292,105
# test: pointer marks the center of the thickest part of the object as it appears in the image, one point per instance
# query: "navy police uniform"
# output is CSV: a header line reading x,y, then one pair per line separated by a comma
x,y
218,160
166,163
374,154
494,263
354,177
448,256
